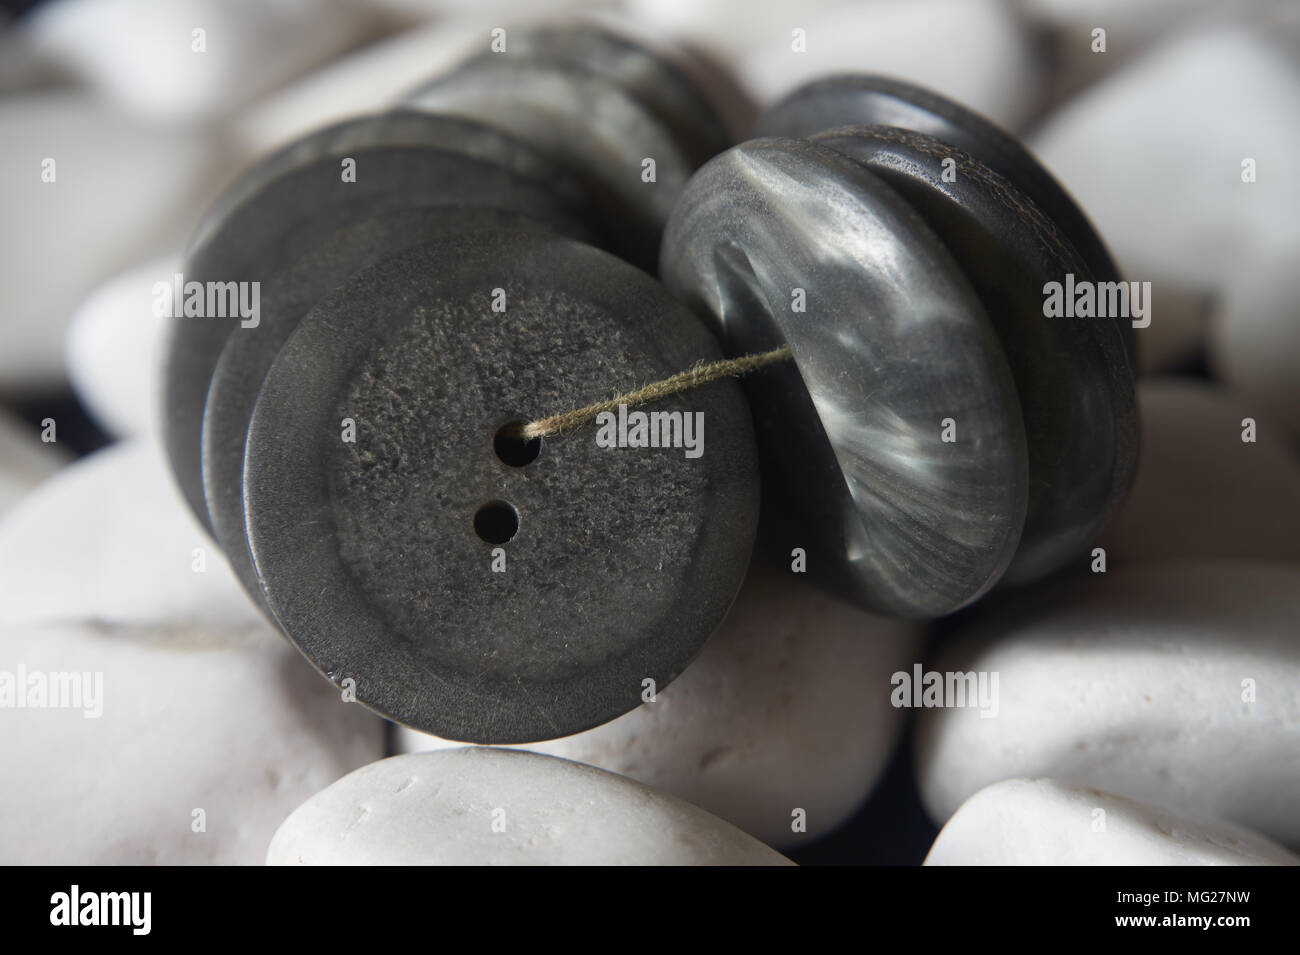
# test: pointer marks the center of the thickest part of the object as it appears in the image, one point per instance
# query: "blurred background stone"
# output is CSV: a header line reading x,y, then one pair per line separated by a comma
x,y
111,348
109,539
1200,490
86,193
1155,154
25,460
147,58
1255,335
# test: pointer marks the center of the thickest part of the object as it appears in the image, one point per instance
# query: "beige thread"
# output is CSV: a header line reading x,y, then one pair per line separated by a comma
x,y
701,374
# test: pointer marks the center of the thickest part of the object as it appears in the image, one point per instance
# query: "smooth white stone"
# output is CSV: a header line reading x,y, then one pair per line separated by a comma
x,y
1201,491
786,707
973,51
365,81
111,349
230,721
1154,154
25,460
122,193
1134,682
140,53
1047,822
1255,337
440,809
110,539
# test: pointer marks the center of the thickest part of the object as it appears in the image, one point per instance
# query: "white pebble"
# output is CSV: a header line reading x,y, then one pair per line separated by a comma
x,y
973,51
1047,822
365,81
184,60
1171,684
25,460
85,195
1200,490
110,539
1255,337
182,746
1130,27
22,67
481,806
1157,151
111,349
730,29
778,720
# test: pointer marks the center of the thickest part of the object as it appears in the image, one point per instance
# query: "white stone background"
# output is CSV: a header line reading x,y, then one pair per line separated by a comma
x,y
1111,685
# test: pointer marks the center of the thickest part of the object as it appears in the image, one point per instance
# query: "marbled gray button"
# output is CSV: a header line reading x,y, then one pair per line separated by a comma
x,y
866,100
896,430
1072,375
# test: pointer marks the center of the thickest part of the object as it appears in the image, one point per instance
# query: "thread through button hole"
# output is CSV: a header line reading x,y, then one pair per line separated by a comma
x,y
512,447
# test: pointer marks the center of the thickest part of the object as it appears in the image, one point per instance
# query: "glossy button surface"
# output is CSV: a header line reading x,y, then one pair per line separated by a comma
x,y
1072,375
892,346
865,100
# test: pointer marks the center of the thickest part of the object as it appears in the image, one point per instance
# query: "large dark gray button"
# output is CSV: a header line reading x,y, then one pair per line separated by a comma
x,y
864,100
589,124
892,353
239,240
377,556
313,256
1072,375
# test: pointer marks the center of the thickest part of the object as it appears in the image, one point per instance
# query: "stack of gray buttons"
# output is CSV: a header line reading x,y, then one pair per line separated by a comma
x,y
426,280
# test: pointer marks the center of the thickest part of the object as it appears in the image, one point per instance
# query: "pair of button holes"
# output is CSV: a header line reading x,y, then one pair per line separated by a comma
x,y
496,522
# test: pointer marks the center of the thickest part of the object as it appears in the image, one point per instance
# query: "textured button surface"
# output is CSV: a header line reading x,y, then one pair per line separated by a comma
x,y
891,348
375,555
237,241
1072,376
314,256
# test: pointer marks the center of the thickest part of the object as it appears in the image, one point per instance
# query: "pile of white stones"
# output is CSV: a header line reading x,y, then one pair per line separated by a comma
x,y
1147,712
